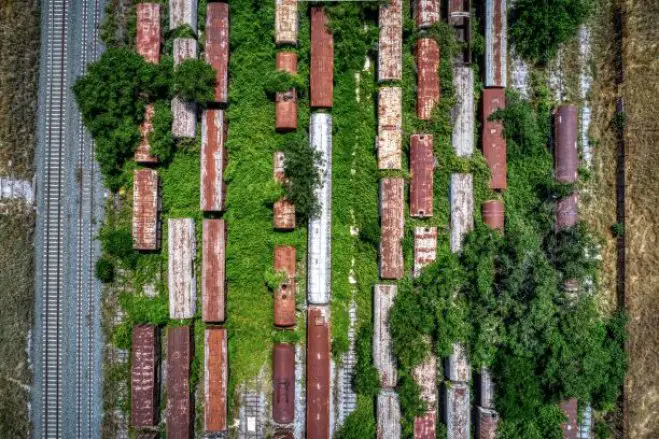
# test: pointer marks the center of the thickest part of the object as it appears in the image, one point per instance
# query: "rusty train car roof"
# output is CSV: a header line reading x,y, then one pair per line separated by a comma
x,y
567,211
566,154
146,210
213,277
216,50
390,127
318,373
494,214
422,168
457,410
179,401
143,150
570,427
284,296
286,22
459,16
283,215
283,383
425,426
147,41
213,161
496,51
494,143
144,408
181,13
286,102
426,13
425,248
392,199
427,61
216,379
390,45
488,421
322,59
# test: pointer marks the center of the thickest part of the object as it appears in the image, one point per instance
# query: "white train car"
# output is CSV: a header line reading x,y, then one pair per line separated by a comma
x,y
320,226
181,274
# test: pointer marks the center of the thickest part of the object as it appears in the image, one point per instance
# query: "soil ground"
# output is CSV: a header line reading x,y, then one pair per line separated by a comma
x,y
641,94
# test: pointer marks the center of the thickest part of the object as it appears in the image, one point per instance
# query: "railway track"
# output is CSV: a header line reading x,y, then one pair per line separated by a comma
x,y
53,227
67,384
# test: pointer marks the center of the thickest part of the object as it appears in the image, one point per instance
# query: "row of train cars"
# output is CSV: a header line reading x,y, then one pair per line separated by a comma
x,y
145,363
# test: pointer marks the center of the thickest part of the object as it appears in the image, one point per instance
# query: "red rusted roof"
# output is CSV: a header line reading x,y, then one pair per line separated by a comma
x,y
566,155
493,214
459,16
494,143
213,278
427,60
216,379
283,383
286,102
142,153
422,167
318,373
570,427
391,221
217,46
567,212
284,215
213,161
426,13
390,50
148,31
424,426
322,59
284,306
179,410
146,210
488,421
144,408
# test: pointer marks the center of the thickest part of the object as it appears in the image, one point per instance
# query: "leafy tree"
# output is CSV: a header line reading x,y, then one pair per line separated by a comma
x,y
118,243
194,80
539,27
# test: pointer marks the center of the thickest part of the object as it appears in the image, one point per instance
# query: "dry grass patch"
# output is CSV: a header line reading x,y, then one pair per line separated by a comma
x,y
641,92
19,72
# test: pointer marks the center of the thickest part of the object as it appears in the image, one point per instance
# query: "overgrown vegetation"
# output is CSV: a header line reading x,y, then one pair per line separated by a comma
x,y
112,96
302,177
539,27
503,298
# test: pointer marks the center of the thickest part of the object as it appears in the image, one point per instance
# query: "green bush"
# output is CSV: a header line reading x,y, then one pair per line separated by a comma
x,y
539,27
105,270
118,243
161,140
366,379
194,80
302,176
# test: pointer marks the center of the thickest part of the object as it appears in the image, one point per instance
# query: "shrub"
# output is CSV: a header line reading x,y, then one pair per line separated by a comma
x,y
366,379
194,80
118,243
539,27
302,176
105,270
161,139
